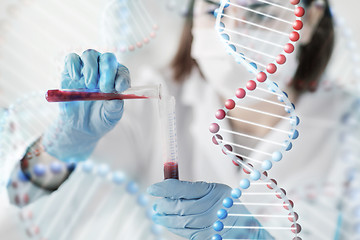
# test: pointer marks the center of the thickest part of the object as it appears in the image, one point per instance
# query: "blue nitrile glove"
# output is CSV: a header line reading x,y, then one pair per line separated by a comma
x,y
189,209
81,124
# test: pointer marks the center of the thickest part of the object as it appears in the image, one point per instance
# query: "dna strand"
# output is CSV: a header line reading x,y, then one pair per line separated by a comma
x,y
127,25
341,208
259,35
266,202
19,129
345,49
348,224
334,214
261,90
108,188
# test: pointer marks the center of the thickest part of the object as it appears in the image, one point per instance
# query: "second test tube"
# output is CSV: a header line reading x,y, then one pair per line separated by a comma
x,y
170,139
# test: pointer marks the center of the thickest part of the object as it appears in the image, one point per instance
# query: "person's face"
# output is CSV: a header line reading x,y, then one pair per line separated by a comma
x,y
203,17
222,70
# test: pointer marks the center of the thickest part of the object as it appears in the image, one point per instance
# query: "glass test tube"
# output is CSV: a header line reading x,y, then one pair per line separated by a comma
x,y
168,120
70,95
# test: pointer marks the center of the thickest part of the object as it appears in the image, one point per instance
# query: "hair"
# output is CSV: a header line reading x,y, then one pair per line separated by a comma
x,y
313,57
183,62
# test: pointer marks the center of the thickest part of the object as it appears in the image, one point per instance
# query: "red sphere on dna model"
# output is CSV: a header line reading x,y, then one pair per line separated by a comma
x,y
271,68
281,59
289,48
299,12
274,182
294,36
294,2
291,217
220,114
247,171
251,85
229,104
228,148
240,93
214,128
261,77
296,229
215,139
291,204
238,159
298,25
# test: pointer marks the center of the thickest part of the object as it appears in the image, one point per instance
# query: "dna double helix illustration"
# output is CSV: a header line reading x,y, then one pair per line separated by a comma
x,y
260,35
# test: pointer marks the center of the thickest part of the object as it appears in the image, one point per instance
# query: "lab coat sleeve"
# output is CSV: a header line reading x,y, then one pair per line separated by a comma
x,y
30,185
10,223
22,191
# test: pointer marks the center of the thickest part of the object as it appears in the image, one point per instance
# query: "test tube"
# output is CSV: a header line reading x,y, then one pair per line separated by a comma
x,y
167,114
70,95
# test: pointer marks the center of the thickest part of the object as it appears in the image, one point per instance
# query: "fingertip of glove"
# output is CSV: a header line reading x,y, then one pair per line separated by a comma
x,y
114,106
158,189
122,84
153,190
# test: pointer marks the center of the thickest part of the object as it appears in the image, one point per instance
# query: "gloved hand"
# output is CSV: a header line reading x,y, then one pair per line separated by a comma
x,y
189,209
81,124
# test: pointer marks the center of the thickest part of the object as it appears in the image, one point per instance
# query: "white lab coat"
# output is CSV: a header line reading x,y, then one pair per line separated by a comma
x,y
134,146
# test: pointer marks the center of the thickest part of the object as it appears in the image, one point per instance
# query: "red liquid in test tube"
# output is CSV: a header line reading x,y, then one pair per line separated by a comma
x,y
171,170
167,106
71,95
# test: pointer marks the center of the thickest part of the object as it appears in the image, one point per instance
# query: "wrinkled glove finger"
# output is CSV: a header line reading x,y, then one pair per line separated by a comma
x,y
187,207
122,80
73,65
112,111
196,221
71,79
175,189
108,66
90,70
171,221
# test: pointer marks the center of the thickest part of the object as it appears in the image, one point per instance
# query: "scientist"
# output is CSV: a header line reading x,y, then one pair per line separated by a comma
x,y
188,208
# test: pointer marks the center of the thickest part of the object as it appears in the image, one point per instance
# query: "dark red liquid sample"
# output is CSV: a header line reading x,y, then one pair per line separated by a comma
x,y
70,96
171,170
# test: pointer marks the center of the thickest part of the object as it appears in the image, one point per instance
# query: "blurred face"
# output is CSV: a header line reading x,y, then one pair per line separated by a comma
x,y
218,67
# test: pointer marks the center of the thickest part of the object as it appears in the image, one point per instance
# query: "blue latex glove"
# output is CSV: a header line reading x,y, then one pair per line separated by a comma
x,y
189,209
81,124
